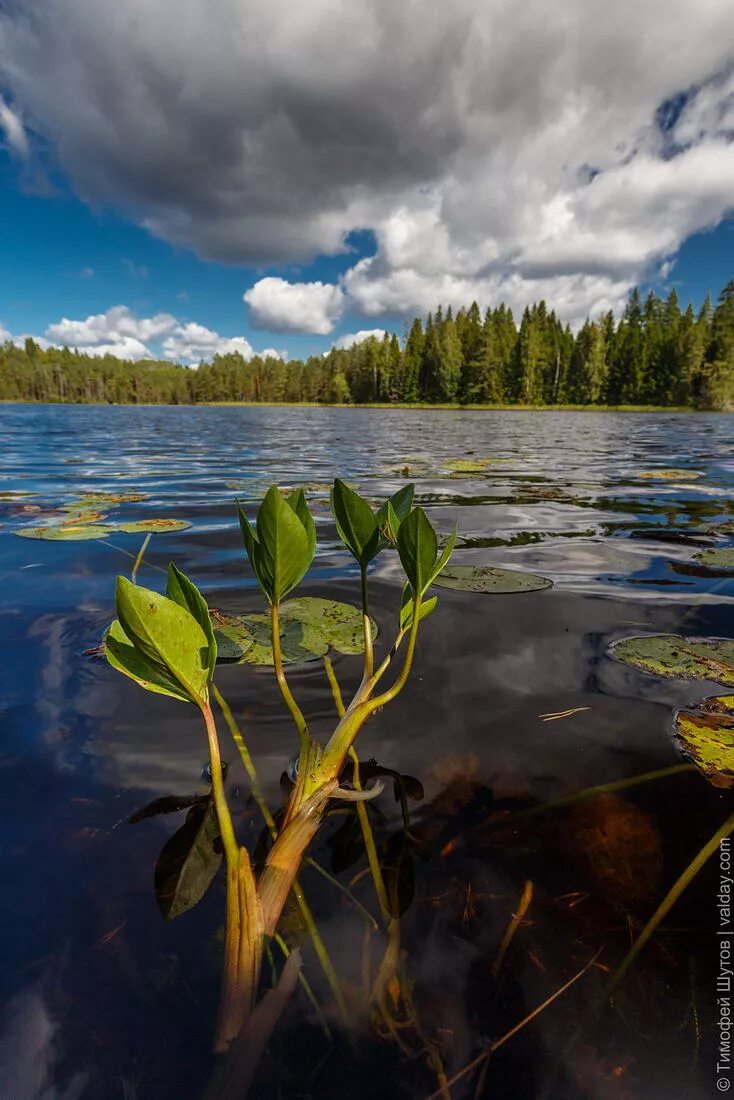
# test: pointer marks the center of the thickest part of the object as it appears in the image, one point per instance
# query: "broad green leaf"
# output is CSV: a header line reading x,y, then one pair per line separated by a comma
x,y
283,550
717,560
485,578
185,593
417,546
297,501
392,513
706,735
679,658
189,861
123,656
356,523
406,608
444,557
167,635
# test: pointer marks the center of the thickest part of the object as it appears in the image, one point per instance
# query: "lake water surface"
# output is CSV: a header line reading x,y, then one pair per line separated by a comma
x,y
103,999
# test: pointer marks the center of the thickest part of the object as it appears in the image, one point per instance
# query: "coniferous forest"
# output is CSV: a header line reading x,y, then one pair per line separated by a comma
x,y
656,354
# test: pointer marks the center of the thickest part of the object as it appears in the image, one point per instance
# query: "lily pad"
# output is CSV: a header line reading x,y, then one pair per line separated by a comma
x,y
679,658
142,525
309,627
66,533
109,498
706,736
459,466
487,578
719,560
672,474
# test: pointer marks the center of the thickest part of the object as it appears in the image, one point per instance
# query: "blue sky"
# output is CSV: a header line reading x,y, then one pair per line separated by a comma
x,y
177,185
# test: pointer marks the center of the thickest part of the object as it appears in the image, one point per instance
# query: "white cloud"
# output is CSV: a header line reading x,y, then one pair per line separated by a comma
x,y
4,334
280,306
127,347
493,152
117,325
191,343
11,126
349,339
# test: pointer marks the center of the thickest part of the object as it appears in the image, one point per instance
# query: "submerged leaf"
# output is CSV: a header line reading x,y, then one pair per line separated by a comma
x,y
188,861
676,657
168,804
706,736
486,578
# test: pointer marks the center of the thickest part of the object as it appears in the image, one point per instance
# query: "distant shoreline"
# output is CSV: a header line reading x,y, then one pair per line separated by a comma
x,y
417,406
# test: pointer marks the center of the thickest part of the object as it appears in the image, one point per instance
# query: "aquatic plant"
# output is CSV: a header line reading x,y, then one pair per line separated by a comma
x,y
169,644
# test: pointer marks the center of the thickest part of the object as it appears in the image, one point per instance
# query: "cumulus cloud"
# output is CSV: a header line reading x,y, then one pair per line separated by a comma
x,y
349,339
280,306
117,325
494,152
13,131
191,343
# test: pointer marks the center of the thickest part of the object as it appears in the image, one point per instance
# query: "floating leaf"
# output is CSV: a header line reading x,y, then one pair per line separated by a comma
x,y
309,626
679,658
339,624
65,533
109,498
487,578
461,467
142,525
672,474
189,861
717,560
706,736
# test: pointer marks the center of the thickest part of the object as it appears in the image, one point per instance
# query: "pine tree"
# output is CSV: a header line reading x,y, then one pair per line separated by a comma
x,y
717,390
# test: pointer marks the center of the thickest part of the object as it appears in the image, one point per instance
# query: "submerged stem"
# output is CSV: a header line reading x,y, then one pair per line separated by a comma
x,y
668,902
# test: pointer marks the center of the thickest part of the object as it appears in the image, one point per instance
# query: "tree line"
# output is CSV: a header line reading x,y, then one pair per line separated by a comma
x,y
655,354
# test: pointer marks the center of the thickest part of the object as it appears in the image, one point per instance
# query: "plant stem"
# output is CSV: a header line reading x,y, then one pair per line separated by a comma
x,y
297,891
229,1005
668,902
369,844
336,691
139,558
246,758
295,711
369,659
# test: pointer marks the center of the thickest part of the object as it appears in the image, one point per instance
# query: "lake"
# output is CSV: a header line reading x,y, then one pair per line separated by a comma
x,y
104,999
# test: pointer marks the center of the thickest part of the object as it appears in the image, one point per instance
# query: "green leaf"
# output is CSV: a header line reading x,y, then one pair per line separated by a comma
x,y
188,861
720,560
283,551
406,608
309,627
297,501
679,658
123,656
445,555
392,513
417,546
706,736
485,578
68,533
356,523
185,593
167,635
142,525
